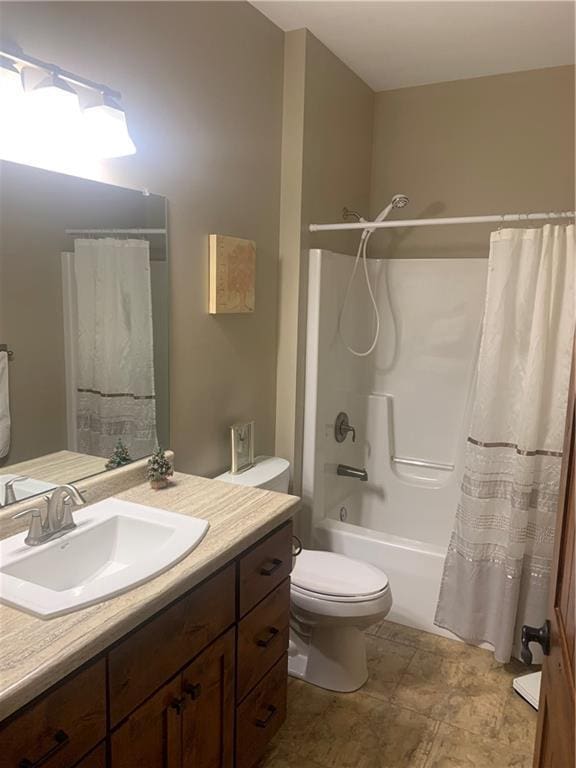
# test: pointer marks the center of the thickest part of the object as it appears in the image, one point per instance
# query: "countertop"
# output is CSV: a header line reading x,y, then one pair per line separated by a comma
x,y
36,653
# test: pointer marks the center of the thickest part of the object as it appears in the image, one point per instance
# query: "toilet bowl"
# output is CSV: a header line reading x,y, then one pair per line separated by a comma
x,y
333,600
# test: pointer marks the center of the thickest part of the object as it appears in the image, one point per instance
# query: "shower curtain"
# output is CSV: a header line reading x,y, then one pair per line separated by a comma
x,y
497,569
115,370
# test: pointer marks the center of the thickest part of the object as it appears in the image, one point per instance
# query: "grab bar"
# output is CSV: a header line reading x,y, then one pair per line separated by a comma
x,y
421,463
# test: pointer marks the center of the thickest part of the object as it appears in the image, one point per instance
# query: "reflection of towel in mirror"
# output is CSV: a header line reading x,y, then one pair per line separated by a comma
x,y
4,406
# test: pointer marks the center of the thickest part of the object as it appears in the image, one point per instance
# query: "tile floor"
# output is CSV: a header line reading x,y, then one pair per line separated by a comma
x,y
430,702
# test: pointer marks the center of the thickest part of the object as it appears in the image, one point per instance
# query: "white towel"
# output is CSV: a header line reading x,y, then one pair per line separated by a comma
x,y
4,406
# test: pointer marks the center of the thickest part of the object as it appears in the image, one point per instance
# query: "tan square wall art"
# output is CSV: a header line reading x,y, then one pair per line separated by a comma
x,y
232,275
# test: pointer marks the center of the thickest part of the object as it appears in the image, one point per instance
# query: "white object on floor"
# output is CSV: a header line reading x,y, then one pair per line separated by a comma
x,y
4,405
116,546
528,686
334,599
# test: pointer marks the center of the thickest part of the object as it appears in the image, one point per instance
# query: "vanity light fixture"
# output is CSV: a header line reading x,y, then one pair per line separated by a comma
x,y
56,118
55,97
10,80
107,127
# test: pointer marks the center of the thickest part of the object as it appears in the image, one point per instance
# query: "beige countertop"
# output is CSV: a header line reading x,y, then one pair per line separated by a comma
x,y
36,653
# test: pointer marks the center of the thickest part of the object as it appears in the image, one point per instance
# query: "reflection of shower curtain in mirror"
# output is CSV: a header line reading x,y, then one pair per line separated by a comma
x,y
115,370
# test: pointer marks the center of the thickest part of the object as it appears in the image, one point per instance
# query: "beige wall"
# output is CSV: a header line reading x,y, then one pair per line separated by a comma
x,y
501,144
326,155
202,86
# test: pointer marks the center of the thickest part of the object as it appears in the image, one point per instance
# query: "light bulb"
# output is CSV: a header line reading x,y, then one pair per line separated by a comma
x,y
107,129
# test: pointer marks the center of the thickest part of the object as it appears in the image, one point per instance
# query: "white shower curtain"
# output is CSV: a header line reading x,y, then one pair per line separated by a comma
x,y
115,371
497,569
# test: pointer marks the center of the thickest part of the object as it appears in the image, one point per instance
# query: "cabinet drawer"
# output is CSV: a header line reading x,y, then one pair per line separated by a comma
x,y
148,657
264,567
62,726
262,638
261,714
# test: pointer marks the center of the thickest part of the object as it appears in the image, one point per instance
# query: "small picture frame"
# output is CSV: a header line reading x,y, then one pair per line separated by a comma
x,y
232,275
242,440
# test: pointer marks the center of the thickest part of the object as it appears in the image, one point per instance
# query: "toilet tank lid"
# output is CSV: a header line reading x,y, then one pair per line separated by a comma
x,y
328,573
265,468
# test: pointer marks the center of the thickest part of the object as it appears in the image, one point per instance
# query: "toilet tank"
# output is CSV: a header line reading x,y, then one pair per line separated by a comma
x,y
269,472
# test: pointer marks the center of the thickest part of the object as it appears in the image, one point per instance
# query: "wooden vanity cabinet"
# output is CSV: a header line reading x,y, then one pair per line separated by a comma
x,y
202,684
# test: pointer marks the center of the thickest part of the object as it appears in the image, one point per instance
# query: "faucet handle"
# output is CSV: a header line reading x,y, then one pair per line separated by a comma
x,y
36,531
34,512
9,495
67,517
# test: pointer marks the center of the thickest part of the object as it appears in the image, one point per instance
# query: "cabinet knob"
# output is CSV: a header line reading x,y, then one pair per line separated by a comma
x,y
264,642
60,737
194,690
178,705
271,709
269,570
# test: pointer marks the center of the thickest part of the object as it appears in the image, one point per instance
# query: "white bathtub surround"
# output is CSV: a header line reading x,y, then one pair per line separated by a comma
x,y
409,400
499,559
4,405
115,369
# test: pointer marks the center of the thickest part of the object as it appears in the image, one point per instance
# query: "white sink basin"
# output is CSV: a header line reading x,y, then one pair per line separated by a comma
x,y
116,546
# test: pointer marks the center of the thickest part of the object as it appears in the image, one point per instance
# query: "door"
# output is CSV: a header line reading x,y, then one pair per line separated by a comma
x,y
208,717
151,736
555,735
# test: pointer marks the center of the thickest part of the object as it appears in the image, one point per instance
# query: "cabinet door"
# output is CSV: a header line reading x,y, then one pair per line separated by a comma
x,y
151,737
96,758
208,717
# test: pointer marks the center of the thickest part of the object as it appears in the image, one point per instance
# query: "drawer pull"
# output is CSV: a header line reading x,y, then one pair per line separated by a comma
x,y
60,737
268,571
178,705
264,642
194,690
271,709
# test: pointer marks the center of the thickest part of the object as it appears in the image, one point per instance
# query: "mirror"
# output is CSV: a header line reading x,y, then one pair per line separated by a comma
x,y
84,328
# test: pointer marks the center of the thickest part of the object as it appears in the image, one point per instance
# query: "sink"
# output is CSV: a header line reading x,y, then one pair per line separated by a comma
x,y
23,489
116,546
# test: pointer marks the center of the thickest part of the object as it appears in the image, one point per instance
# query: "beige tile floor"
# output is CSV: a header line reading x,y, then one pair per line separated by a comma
x,y
430,702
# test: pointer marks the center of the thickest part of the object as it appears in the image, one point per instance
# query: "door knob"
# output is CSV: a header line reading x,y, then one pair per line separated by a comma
x,y
540,635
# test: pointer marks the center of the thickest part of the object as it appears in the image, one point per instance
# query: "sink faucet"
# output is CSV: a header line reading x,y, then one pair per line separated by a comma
x,y
9,494
58,518
346,471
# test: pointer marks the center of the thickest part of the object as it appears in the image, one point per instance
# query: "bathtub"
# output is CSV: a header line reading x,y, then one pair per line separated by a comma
x,y
414,569
409,403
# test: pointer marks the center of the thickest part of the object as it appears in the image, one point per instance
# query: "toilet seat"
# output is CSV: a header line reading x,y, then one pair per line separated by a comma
x,y
334,577
308,593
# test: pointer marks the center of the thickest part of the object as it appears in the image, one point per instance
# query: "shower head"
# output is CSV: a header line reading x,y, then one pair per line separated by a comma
x,y
400,201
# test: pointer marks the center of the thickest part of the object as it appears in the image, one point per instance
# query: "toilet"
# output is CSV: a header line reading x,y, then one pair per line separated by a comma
x,y
334,599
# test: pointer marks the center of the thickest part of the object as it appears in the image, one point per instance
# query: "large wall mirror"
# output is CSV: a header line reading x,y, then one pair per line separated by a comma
x,y
84,328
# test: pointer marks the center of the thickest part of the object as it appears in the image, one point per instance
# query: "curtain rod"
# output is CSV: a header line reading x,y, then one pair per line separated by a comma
x,y
115,231
494,218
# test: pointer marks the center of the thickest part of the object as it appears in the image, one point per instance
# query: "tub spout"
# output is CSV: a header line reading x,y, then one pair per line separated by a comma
x,y
346,471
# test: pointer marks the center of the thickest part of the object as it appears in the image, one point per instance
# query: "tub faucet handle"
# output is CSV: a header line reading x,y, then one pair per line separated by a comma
x,y
342,427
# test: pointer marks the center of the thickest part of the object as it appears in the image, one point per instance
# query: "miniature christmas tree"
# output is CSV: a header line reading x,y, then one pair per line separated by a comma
x,y
159,469
119,457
